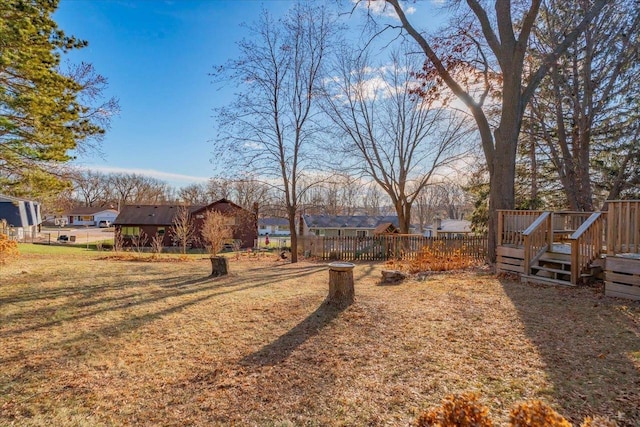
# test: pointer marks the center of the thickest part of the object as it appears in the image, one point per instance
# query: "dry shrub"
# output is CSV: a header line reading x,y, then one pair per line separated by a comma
x,y
8,249
156,244
466,411
216,229
436,257
457,410
598,422
536,414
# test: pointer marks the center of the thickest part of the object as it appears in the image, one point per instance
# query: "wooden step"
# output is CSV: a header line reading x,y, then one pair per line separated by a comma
x,y
556,257
551,270
544,280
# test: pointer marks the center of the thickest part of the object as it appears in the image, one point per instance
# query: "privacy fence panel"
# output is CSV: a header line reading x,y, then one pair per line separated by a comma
x,y
393,247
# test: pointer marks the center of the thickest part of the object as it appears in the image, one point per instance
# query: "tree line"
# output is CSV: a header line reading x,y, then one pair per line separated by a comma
x,y
337,195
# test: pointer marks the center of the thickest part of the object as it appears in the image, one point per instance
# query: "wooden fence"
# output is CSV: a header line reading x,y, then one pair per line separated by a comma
x,y
394,246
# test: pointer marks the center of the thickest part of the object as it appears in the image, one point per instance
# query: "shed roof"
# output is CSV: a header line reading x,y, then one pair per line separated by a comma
x,y
19,212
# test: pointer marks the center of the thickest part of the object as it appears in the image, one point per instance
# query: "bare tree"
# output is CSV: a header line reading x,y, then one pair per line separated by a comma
x,y
90,187
194,194
506,33
373,200
396,138
582,107
183,231
271,124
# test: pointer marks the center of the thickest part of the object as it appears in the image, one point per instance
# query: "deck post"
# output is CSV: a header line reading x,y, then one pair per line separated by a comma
x,y
500,228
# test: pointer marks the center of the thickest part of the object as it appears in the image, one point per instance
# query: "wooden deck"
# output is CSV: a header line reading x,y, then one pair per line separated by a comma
x,y
570,247
622,268
549,247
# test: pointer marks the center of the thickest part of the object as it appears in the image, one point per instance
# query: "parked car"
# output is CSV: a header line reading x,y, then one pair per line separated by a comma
x,y
104,224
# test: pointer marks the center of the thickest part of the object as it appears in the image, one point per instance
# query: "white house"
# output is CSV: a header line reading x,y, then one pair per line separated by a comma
x,y
273,227
448,228
91,216
353,226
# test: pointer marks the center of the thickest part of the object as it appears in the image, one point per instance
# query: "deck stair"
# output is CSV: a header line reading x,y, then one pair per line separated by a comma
x,y
559,249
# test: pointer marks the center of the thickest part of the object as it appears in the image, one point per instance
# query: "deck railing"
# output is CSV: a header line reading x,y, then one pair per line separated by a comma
x,y
623,229
538,237
565,223
586,244
512,223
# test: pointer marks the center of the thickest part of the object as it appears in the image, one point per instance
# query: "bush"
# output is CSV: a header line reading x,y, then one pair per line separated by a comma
x,y
461,411
536,414
466,411
8,249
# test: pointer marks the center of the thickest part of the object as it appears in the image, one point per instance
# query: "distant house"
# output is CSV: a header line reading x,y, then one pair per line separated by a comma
x,y
356,225
273,227
159,220
22,216
90,216
448,228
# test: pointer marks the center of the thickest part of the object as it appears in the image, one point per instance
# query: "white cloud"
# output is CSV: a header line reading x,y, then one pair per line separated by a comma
x,y
380,7
165,176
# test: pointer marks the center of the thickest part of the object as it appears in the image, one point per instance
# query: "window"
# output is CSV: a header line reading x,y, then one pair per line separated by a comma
x,y
361,233
86,218
160,231
263,227
130,231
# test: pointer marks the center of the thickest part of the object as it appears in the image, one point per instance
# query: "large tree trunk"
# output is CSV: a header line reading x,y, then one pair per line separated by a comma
x,y
502,168
294,234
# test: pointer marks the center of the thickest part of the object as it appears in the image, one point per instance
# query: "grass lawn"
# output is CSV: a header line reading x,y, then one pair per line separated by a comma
x,y
89,341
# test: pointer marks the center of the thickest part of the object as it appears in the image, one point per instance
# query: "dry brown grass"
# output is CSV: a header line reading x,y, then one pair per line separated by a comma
x,y
94,342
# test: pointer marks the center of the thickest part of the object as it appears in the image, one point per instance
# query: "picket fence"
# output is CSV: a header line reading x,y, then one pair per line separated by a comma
x,y
392,247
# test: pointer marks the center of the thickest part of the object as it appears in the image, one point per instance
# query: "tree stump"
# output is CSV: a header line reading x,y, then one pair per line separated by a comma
x,y
393,276
341,291
219,266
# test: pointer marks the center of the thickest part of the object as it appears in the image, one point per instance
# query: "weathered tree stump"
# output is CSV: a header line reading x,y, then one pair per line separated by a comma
x,y
219,266
393,276
341,291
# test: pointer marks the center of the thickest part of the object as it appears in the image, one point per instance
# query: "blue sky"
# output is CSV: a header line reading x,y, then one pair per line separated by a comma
x,y
157,56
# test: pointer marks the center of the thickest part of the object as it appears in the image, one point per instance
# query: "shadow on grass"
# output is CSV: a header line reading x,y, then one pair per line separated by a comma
x,y
588,343
209,286
277,351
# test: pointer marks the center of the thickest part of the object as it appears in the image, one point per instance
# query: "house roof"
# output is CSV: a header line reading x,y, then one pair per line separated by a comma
x,y
343,221
90,210
161,214
149,214
273,221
